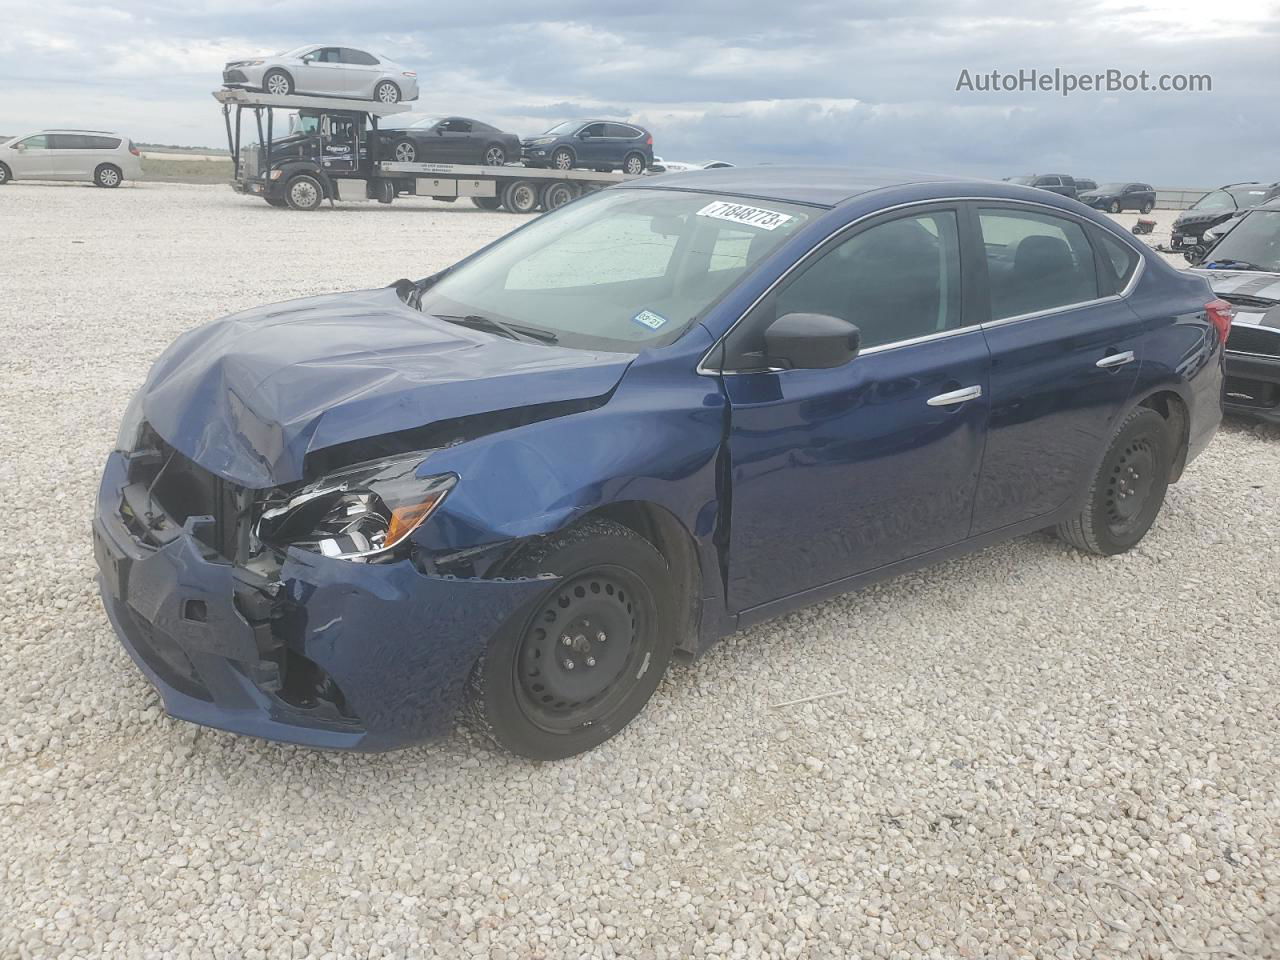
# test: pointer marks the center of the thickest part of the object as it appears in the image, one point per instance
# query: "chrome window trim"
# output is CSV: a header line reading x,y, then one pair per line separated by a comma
x,y
1245,353
703,370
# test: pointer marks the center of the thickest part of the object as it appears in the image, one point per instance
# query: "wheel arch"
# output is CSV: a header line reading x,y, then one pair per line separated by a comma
x,y
1173,407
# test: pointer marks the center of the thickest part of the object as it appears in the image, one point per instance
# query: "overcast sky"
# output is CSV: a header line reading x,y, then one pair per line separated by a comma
x,y
861,82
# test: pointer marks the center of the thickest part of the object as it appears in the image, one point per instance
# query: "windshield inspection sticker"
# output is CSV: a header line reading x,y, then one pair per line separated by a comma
x,y
741,213
647,318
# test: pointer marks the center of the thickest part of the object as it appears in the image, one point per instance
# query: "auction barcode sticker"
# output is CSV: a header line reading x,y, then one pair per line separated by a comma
x,y
741,213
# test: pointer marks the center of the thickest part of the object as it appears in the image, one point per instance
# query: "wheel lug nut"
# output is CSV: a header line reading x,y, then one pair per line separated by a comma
x,y
568,664
600,637
591,661
566,640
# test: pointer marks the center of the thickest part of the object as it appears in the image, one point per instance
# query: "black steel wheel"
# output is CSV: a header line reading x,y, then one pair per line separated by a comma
x,y
575,668
562,159
1127,492
520,196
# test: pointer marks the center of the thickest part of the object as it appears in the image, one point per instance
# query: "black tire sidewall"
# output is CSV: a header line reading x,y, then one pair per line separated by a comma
x,y
1142,422
507,722
269,74
5,174
101,168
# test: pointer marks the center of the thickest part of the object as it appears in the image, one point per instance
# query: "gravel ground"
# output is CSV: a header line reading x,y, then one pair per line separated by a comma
x,y
1028,753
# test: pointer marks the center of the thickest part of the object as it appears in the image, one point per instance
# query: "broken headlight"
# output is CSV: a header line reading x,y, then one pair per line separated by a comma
x,y
356,513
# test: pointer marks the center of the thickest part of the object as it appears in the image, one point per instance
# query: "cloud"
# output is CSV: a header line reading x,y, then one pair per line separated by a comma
x,y
827,81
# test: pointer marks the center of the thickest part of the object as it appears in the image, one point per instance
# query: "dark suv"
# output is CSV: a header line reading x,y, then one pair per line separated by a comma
x,y
1118,197
1058,183
594,144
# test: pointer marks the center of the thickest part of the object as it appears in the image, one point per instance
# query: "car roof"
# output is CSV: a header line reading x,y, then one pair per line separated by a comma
x,y
107,133
821,186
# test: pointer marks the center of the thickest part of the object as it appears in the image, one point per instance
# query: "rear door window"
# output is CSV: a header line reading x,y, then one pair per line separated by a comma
x,y
620,130
1035,262
358,57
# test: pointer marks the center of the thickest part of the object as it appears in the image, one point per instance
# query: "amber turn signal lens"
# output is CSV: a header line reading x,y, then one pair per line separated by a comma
x,y
404,520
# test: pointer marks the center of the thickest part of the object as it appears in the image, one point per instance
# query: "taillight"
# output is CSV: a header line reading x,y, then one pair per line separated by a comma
x,y
1219,312
649,142
134,150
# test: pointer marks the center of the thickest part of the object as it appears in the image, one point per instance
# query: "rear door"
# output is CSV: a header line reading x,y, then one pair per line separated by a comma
x,y
840,471
1065,352
67,156
454,141
360,71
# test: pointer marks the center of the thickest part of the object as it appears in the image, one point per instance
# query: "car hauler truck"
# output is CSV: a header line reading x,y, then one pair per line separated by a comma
x,y
329,155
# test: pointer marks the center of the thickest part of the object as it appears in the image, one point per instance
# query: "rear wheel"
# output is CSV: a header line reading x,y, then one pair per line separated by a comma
x,y
520,196
487,203
633,164
386,92
562,159
277,83
1128,490
587,659
108,175
304,192
494,155
1148,206
1115,206
555,195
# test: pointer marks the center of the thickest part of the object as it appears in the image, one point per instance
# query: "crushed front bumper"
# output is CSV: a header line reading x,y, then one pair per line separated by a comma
x,y
388,647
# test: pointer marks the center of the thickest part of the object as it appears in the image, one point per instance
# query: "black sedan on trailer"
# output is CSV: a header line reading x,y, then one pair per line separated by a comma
x,y
1244,270
417,139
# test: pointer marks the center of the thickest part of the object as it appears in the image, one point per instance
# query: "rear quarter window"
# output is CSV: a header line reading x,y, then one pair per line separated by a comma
x,y
1118,258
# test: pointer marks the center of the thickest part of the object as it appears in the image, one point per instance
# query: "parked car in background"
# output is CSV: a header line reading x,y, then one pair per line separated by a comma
x,y
327,71
670,410
594,144
1244,269
408,138
1214,208
1083,184
97,156
1119,197
1058,183
681,166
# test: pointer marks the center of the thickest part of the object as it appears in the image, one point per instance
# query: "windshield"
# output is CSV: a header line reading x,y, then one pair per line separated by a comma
x,y
1025,181
1254,240
618,270
1216,200
567,126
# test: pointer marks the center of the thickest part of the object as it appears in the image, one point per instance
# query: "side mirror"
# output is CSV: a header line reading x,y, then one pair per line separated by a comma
x,y
583,135
20,147
811,341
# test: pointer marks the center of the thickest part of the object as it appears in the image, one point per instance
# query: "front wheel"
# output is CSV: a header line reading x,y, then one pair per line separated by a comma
x,y
277,83
5,175
562,159
405,151
587,658
304,192
386,92
1128,490
1115,206
633,165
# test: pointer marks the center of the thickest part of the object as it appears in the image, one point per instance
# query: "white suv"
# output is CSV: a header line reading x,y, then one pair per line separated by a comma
x,y
106,159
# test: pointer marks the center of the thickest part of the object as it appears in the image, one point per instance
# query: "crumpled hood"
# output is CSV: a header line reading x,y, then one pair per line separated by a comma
x,y
1193,221
249,396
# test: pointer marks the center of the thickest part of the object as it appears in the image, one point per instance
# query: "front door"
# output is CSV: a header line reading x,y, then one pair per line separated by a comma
x,y
341,143
322,73
836,472
34,159
591,146
1065,352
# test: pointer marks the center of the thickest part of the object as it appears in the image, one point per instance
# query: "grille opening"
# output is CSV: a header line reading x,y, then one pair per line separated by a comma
x,y
183,489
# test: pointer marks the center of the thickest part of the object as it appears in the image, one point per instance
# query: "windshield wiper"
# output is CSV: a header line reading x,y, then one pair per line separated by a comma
x,y
1234,265
513,331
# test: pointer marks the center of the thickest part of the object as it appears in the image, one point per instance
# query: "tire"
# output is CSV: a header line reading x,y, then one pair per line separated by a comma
x,y
1128,490
1147,207
494,155
303,192
487,203
276,201
520,196
404,151
633,164
562,159
1115,206
108,175
582,663
556,194
277,83
5,175
386,91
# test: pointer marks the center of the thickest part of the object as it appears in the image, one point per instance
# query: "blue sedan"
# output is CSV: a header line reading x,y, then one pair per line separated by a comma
x,y
660,414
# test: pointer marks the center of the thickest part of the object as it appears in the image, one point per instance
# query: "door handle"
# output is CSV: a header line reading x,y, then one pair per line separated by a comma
x,y
955,396
1116,360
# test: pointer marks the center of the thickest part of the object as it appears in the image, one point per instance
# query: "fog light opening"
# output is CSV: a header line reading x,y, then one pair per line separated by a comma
x,y
307,687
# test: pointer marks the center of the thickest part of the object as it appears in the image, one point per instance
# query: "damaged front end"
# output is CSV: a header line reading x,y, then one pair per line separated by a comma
x,y
304,613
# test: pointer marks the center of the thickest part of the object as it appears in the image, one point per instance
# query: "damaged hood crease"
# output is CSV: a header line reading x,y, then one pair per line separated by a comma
x,y
249,397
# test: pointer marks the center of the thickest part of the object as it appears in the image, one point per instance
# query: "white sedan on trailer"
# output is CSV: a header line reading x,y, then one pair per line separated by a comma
x,y
327,71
